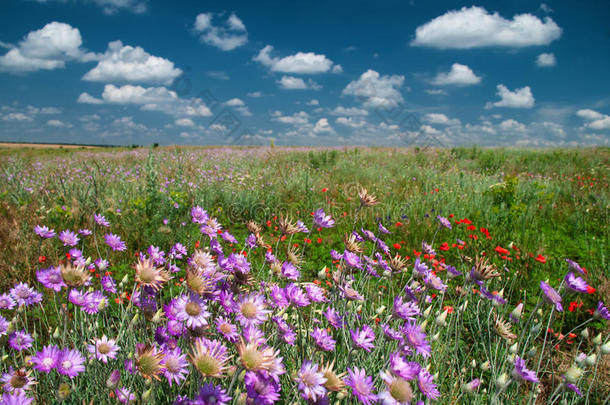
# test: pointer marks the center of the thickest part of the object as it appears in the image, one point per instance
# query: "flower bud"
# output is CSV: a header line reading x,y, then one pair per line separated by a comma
x,y
113,379
516,314
147,395
597,340
427,312
322,274
584,333
591,360
158,317
63,391
486,366
473,363
441,319
380,310
573,374
502,381
514,348
471,386
605,349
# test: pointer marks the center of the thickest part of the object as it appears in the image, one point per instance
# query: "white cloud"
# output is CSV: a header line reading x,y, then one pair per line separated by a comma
x,y
299,63
436,92
238,105
512,125
322,126
474,27
459,75
234,102
16,116
227,36
56,123
218,74
520,98
296,83
184,122
313,102
349,111
128,64
255,94
597,120
376,90
128,122
297,118
351,122
46,49
113,6
440,119
150,99
546,60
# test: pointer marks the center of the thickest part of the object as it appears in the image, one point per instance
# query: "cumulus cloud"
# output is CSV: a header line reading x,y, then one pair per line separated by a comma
x,y
56,123
351,122
238,105
227,36
124,63
16,116
323,127
546,60
459,75
376,90
596,120
296,83
474,27
349,111
299,63
113,6
46,49
436,92
149,99
440,119
184,122
520,98
300,117
255,94
512,125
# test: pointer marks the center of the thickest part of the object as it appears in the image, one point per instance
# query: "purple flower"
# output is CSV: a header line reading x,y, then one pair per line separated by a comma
x,y
278,297
51,278
199,215
251,310
361,385
46,360
575,266
301,227
7,302
44,232
352,259
322,220
574,388
70,363
109,284
290,271
402,368
101,220
575,283
521,372
335,255
210,394
261,388
176,366
444,221
156,255
601,311
230,238
192,310
334,318
251,241
23,294
178,251
85,232
425,383
551,295
3,326
390,333
415,338
69,238
104,349
310,381
363,338
315,293
405,310
124,395
295,296
16,398
20,340
383,229
115,242
323,340
227,329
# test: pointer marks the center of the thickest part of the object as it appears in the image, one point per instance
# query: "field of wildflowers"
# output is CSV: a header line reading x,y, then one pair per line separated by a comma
x,y
321,276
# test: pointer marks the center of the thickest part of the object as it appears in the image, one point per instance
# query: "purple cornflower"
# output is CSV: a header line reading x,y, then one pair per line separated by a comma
x,y
104,349
69,238
46,360
227,237
178,251
23,294
368,234
334,318
199,215
270,258
315,293
70,363
402,368
383,229
109,284
156,255
295,296
192,310
51,278
250,241
262,388
575,266
444,221
575,283
7,302
3,326
44,232
601,311
361,385
124,395
322,220
415,338
101,220
20,340
290,271
301,227
251,310
405,310
85,232
323,340
420,268
310,381
521,373
363,338
425,383
551,295
391,334
94,302
16,398
210,394
335,255
226,329
115,242
176,366
278,297
352,259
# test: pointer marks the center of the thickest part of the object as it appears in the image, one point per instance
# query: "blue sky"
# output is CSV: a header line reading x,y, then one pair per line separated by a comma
x,y
386,73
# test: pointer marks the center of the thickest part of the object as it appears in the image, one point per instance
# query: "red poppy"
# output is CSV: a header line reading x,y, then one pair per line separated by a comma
x,y
398,224
501,250
319,240
197,244
42,259
541,259
444,246
324,190
448,308
590,290
397,246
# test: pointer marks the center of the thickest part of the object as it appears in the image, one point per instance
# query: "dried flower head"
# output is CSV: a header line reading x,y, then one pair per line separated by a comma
x,y
253,227
148,275
292,254
74,276
209,357
367,199
287,227
397,263
334,382
254,357
503,329
483,270
149,361
352,244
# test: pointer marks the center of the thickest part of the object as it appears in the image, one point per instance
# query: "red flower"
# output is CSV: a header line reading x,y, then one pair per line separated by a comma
x,y
197,244
319,240
398,223
444,246
590,290
42,259
501,250
324,190
397,246
541,259
448,308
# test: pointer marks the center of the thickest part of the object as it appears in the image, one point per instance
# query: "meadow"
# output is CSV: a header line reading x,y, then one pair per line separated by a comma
x,y
176,275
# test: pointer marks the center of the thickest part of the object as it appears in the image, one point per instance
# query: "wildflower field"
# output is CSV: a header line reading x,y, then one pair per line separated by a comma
x,y
320,276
